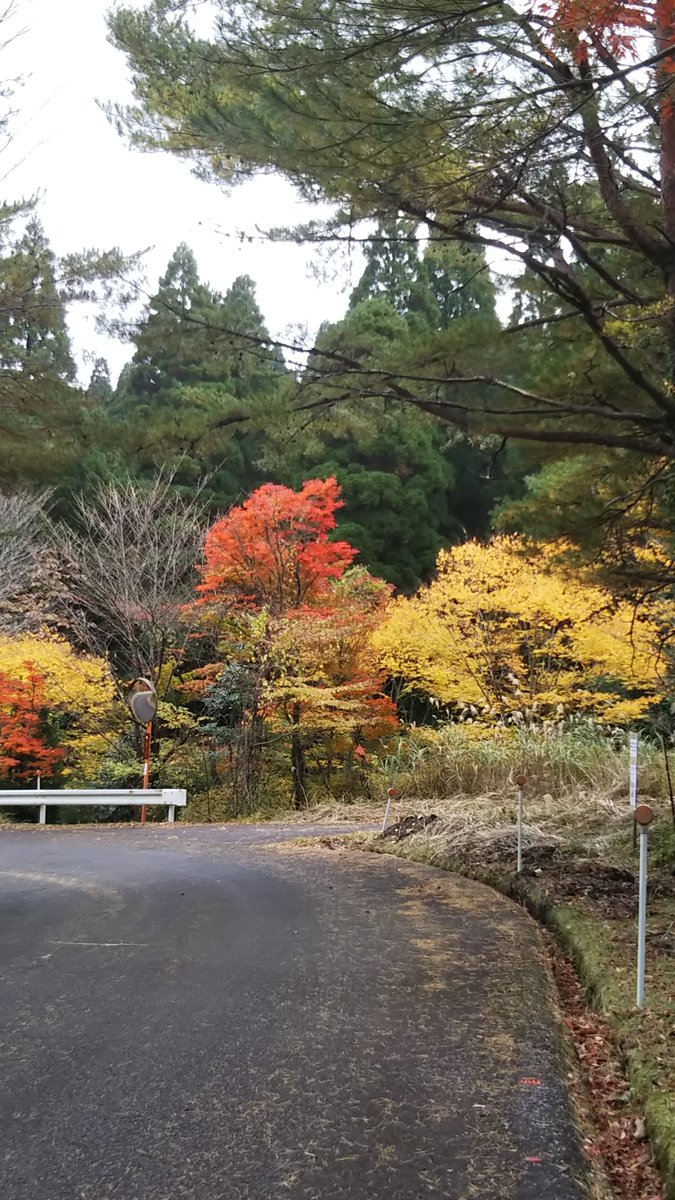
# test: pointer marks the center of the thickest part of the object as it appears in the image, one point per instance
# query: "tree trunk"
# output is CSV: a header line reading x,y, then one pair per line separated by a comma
x,y
665,32
298,762
246,766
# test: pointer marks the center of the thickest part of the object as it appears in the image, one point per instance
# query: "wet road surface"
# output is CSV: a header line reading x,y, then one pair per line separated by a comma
x,y
209,1013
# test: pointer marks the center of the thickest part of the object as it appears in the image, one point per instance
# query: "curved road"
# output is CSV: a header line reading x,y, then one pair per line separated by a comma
x,y
200,1013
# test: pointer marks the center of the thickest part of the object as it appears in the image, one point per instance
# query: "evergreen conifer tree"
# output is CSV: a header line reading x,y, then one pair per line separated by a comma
x,y
408,489
200,371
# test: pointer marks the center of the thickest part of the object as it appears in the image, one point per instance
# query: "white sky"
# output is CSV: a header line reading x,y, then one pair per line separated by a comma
x,y
94,191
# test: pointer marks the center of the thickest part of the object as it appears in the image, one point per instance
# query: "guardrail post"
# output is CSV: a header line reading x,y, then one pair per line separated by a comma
x,y
43,814
171,814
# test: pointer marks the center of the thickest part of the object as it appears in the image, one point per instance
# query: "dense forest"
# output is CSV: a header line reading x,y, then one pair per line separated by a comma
x,y
207,397
453,506
401,581
195,524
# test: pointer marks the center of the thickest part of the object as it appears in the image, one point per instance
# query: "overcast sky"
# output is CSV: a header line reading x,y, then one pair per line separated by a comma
x,y
94,191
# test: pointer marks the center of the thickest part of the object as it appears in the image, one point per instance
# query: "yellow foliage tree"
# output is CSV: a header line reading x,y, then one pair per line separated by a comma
x,y
326,678
79,694
323,685
502,633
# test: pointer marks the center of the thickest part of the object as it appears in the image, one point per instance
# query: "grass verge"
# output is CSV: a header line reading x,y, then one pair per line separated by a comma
x,y
603,951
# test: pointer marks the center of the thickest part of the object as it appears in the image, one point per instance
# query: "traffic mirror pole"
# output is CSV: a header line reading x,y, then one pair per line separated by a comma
x,y
143,705
147,749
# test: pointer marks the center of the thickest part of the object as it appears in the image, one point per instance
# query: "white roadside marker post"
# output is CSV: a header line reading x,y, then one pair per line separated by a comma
x,y
521,780
644,816
391,792
43,807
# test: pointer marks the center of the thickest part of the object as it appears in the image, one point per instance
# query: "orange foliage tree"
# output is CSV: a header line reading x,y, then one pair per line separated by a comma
x,y
23,746
610,26
274,552
288,605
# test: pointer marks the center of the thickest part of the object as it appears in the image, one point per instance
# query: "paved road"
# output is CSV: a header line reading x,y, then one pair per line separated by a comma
x,y
197,1013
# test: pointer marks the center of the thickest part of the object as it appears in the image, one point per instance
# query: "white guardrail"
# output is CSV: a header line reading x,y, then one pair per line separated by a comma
x,y
173,798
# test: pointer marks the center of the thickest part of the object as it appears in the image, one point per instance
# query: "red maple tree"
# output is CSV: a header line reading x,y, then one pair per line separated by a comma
x,y
23,749
613,27
274,550
274,556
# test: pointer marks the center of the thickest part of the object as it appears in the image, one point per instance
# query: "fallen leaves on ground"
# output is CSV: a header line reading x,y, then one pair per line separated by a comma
x,y
620,1141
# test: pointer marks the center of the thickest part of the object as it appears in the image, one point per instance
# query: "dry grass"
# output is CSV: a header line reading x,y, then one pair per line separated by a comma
x,y
576,794
454,761
361,812
482,828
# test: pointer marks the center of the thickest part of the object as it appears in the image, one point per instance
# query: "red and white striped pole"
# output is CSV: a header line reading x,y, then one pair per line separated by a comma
x,y
146,768
143,705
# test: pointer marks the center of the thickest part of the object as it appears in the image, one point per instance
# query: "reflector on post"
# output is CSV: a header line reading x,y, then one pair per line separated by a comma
x,y
644,815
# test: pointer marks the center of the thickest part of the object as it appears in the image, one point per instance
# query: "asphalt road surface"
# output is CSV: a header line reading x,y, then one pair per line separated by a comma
x,y
200,1013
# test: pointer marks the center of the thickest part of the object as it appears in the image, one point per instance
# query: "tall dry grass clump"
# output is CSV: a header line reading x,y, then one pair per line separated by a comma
x,y
568,762
576,795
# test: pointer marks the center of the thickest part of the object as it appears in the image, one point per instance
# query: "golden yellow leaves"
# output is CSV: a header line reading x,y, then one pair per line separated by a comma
x,y
76,683
78,690
506,632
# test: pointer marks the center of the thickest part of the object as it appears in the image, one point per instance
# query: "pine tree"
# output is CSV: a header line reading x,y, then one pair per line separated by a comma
x,y
393,269
408,490
40,412
33,336
51,431
196,378
546,135
458,278
171,339
100,388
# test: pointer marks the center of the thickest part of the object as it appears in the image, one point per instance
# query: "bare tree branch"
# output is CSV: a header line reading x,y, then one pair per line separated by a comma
x,y
129,567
